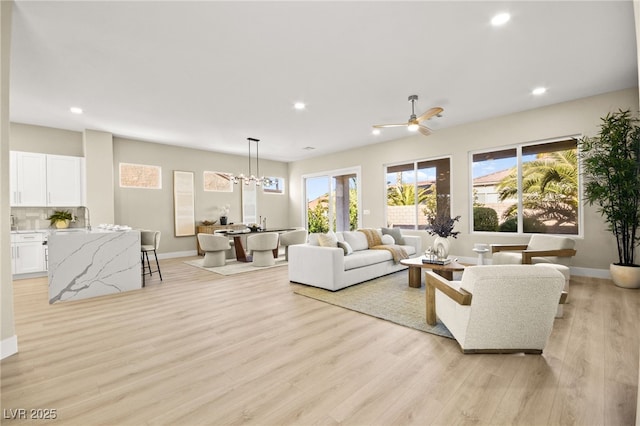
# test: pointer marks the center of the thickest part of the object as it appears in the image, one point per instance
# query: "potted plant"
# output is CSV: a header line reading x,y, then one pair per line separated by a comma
x,y
611,162
60,218
441,225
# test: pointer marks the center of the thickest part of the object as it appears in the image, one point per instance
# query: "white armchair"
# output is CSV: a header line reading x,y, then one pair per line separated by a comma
x,y
497,309
540,249
298,236
262,246
214,247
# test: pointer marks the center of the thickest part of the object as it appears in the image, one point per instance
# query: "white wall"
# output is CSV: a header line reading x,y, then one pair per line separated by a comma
x,y
153,209
582,116
8,339
46,140
98,153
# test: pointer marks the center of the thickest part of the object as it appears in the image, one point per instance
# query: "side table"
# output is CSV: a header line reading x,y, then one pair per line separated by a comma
x,y
481,253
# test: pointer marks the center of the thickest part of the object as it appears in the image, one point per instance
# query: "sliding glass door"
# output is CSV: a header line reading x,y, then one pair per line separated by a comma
x,y
332,201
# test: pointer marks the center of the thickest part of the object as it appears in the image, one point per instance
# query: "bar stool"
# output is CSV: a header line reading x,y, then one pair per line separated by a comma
x,y
149,241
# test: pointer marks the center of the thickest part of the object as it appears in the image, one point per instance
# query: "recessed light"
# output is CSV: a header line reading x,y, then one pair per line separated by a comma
x,y
299,106
500,19
538,91
375,132
76,110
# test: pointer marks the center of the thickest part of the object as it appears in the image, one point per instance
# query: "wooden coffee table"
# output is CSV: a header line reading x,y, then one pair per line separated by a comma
x,y
416,266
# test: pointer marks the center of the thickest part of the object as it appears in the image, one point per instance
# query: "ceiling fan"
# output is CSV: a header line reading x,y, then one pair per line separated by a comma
x,y
414,122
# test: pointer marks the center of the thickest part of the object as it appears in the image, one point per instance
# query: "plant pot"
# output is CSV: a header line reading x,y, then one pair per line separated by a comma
x,y
625,276
62,224
441,247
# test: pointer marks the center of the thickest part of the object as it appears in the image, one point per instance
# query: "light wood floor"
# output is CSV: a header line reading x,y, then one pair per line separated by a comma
x,y
201,348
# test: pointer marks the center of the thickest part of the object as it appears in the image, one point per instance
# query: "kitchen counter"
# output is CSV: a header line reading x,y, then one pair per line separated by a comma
x,y
87,263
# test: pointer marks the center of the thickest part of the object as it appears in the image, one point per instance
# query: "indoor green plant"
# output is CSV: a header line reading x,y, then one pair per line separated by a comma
x,y
60,218
611,162
441,225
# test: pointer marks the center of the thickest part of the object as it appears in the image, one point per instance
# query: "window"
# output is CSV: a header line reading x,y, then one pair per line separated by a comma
x,y
217,181
527,189
276,187
332,201
417,191
140,176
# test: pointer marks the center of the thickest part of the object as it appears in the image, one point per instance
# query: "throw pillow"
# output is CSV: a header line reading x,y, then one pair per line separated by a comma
x,y
395,233
328,240
357,240
387,240
313,239
346,247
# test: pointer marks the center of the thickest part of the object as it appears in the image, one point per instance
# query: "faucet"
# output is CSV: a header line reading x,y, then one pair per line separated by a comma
x,y
87,218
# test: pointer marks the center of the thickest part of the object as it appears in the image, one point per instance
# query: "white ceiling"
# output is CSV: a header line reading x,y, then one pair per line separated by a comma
x,y
210,74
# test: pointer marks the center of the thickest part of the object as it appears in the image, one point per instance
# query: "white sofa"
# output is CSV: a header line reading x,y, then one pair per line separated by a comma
x,y
331,269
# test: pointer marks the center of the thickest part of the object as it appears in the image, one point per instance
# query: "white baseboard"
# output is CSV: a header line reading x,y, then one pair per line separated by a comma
x,y
8,347
591,272
187,253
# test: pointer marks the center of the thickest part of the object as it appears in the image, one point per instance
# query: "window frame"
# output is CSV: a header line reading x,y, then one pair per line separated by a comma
x,y
416,163
270,192
331,174
519,164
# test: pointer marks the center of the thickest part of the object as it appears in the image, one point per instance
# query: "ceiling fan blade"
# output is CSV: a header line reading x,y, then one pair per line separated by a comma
x,y
380,126
430,113
424,130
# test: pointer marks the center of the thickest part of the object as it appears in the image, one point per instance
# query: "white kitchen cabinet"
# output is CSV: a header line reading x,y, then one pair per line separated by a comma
x,y
27,253
39,180
64,180
28,179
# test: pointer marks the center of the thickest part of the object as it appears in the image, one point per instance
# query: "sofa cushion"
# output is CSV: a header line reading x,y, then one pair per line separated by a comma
x,y
395,233
346,247
411,250
328,240
357,240
363,258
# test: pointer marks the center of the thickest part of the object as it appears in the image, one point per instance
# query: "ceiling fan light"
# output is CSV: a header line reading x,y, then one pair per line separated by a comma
x,y
500,19
413,127
539,91
375,131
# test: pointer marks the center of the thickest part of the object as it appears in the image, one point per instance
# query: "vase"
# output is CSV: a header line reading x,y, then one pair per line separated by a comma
x,y
441,247
62,224
625,276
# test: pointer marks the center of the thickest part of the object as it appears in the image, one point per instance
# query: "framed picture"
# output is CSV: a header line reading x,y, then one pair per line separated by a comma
x,y
217,182
183,204
249,204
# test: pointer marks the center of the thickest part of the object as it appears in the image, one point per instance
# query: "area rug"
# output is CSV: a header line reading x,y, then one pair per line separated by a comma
x,y
389,298
234,267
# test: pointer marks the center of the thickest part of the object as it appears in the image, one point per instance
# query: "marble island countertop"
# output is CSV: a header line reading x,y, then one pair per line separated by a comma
x,y
51,231
70,231
86,263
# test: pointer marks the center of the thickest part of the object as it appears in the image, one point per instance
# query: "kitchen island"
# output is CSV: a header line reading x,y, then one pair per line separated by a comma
x,y
88,263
